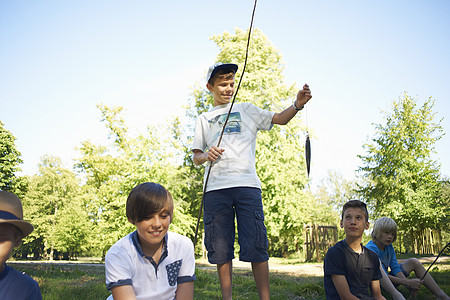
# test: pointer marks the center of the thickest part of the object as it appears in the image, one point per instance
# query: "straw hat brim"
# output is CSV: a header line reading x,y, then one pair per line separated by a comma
x,y
24,226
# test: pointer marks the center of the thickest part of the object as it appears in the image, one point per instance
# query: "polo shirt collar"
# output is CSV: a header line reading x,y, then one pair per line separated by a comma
x,y
137,245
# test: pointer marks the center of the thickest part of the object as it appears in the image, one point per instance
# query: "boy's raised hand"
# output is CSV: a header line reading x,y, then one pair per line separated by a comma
x,y
303,96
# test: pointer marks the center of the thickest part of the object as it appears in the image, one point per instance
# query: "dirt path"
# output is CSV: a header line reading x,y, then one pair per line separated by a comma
x,y
308,269
293,269
298,269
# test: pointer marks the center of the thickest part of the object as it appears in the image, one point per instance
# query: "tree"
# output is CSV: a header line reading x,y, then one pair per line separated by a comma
x,y
55,205
336,190
9,160
280,162
402,180
112,171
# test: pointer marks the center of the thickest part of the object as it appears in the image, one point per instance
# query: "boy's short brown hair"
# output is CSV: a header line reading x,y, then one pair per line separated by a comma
x,y
355,204
147,199
384,224
222,74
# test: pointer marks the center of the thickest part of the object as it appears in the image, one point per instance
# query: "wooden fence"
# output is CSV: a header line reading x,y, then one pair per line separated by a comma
x,y
428,242
319,238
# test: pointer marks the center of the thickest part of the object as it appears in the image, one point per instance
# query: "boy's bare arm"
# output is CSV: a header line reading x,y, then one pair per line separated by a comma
x,y
341,284
387,285
212,154
376,290
400,278
123,292
286,115
185,291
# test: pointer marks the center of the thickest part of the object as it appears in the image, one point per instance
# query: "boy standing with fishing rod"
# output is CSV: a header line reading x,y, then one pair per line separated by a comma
x,y
233,187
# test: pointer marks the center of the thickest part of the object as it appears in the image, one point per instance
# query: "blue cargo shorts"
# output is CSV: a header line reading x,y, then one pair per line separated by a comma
x,y
220,208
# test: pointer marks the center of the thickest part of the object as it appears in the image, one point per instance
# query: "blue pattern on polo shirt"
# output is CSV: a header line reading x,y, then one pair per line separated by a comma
x,y
172,272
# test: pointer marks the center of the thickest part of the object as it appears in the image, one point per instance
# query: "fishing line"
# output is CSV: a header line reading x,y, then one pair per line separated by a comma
x,y
225,124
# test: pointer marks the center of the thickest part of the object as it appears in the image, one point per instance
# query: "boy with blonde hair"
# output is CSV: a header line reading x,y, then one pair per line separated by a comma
x,y
14,284
383,235
351,270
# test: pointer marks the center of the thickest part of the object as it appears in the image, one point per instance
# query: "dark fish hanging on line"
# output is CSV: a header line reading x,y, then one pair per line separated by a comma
x,y
308,153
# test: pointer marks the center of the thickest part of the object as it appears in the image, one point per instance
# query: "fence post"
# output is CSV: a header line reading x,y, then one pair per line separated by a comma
x,y
316,244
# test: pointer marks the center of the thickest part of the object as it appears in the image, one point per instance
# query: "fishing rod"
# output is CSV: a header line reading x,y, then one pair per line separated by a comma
x,y
225,124
426,272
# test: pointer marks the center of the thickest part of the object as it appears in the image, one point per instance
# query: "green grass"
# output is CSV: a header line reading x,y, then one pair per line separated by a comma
x,y
58,281
281,286
71,281
440,273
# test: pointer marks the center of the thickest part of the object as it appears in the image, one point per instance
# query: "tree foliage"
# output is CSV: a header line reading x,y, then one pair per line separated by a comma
x,y
78,213
55,205
335,190
402,179
111,172
9,160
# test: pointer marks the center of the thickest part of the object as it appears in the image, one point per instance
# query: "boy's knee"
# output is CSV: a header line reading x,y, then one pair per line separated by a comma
x,y
413,264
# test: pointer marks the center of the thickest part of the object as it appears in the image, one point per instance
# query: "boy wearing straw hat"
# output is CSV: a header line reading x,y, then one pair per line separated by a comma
x,y
14,284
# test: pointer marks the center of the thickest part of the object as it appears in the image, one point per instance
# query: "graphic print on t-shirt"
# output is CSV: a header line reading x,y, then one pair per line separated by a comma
x,y
234,124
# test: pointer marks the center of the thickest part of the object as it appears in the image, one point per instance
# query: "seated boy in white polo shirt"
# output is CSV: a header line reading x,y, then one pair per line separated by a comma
x,y
151,262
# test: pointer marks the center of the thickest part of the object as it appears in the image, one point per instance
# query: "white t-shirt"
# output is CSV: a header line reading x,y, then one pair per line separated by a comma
x,y
236,166
126,264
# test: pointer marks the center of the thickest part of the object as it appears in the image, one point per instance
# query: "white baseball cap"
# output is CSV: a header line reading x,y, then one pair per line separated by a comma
x,y
220,66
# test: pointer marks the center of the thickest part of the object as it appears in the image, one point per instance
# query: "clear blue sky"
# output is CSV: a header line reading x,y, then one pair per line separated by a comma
x,y
59,59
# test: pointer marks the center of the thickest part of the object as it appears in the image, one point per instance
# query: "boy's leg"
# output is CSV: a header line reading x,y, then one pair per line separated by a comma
x,y
253,236
261,275
413,264
226,279
220,235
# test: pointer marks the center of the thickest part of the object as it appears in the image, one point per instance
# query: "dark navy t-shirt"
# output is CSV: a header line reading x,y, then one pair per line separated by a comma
x,y
359,270
15,285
